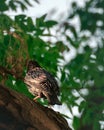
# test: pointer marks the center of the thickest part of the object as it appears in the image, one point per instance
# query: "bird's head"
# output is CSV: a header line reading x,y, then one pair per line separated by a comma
x,y
32,64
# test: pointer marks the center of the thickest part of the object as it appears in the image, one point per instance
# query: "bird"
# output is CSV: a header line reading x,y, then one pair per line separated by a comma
x,y
41,83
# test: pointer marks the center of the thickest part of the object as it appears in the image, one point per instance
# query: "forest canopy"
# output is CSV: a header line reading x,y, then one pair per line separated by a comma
x,y
81,77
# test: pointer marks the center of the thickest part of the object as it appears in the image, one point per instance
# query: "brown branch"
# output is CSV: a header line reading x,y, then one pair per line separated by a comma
x,y
4,71
15,35
21,39
19,112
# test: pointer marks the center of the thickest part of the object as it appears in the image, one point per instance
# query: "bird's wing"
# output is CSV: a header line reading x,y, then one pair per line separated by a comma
x,y
51,83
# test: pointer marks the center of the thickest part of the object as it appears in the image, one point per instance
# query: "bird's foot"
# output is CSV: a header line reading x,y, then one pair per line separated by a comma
x,y
35,99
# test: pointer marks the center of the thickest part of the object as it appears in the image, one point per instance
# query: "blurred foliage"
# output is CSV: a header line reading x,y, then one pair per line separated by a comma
x,y
81,78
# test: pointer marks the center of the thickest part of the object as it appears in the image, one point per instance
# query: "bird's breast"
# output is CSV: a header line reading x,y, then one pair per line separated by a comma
x,y
34,90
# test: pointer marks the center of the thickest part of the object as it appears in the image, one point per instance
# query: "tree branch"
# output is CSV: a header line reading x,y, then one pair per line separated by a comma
x,y
4,71
19,112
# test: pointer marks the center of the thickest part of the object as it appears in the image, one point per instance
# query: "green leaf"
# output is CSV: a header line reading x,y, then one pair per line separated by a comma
x,y
40,21
70,40
82,106
50,23
73,31
5,22
22,5
61,46
43,17
3,5
76,123
28,2
13,5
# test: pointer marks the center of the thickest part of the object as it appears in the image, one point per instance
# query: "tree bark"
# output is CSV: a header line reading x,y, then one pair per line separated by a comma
x,y
17,112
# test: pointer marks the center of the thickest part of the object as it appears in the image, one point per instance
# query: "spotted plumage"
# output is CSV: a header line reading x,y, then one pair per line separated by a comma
x,y
41,83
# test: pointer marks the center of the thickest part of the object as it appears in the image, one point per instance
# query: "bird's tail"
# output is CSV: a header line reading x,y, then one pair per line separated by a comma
x,y
53,100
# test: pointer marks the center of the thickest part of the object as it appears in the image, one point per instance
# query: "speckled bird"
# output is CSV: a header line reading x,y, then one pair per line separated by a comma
x,y
41,83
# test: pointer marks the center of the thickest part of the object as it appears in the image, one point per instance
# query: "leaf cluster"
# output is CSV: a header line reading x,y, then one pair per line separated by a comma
x,y
80,78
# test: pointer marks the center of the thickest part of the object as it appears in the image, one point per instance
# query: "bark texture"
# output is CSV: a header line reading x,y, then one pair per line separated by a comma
x,y
17,112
